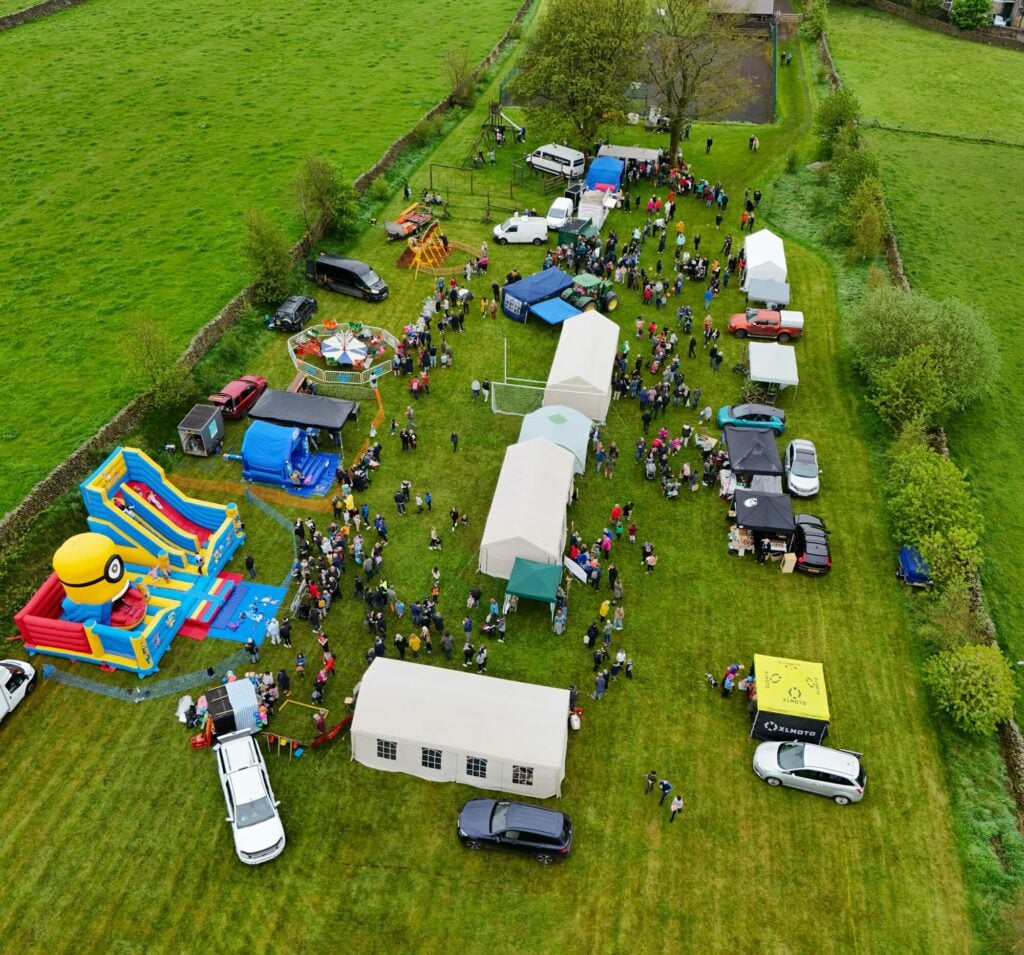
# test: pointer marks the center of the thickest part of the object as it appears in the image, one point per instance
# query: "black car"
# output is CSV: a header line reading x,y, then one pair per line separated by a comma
x,y
810,544
294,313
546,834
349,276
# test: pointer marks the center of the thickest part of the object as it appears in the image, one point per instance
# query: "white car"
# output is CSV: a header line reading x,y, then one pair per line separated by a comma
x,y
801,465
252,809
837,774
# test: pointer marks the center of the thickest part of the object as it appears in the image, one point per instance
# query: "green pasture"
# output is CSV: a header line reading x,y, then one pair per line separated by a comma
x,y
957,207
133,143
932,82
112,796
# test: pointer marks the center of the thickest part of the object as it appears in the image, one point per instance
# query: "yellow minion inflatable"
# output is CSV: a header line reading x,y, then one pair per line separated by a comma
x,y
92,572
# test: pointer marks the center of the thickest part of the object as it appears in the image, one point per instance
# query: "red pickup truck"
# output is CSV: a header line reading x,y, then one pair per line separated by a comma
x,y
762,323
238,396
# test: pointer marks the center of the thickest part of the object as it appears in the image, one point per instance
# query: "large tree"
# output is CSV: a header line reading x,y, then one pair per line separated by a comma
x,y
692,62
578,64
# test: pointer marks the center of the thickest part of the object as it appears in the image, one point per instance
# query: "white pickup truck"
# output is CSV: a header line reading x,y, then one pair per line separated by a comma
x,y
17,680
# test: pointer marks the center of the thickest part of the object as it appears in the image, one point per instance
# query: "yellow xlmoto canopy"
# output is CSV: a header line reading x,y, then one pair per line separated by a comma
x,y
791,687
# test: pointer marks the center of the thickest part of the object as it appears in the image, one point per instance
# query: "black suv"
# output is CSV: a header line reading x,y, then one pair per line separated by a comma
x,y
810,544
546,834
294,313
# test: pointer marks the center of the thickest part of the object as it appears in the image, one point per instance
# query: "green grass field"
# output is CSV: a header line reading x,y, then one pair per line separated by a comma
x,y
114,795
956,234
132,147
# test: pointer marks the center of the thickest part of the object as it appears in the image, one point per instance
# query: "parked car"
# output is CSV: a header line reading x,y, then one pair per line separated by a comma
x,y
238,396
252,809
753,416
348,276
912,569
801,464
520,229
546,834
810,544
765,323
561,210
837,774
293,313
17,680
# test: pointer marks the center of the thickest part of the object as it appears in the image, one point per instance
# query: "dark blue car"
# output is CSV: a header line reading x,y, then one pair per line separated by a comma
x,y
546,834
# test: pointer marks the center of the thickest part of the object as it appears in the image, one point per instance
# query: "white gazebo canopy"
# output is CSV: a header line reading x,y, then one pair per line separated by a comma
x,y
451,726
566,427
639,153
581,372
765,256
772,364
527,516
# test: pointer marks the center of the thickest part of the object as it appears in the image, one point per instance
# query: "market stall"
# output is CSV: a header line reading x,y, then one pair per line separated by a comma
x,y
789,700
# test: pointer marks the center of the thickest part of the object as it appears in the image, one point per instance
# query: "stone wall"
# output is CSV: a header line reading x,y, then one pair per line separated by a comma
x,y
35,12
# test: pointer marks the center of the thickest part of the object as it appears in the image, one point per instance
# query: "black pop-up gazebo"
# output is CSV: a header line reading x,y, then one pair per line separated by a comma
x,y
752,451
763,512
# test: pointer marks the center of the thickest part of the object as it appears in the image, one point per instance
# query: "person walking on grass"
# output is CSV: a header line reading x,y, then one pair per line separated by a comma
x,y
649,780
666,787
676,807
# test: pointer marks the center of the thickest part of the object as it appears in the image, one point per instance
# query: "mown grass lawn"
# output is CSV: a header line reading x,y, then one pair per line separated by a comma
x,y
957,208
133,143
112,797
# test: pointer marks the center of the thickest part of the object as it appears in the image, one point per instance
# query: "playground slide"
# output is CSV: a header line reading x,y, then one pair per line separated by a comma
x,y
513,125
161,517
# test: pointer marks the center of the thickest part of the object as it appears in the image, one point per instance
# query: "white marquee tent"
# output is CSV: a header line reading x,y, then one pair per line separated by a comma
x,y
527,516
581,372
765,256
773,364
452,726
563,426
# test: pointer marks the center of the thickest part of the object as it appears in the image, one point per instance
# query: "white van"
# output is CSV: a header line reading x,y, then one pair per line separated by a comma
x,y
557,160
522,229
561,209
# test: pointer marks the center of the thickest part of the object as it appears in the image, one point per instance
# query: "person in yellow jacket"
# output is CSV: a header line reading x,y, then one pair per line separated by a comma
x,y
414,645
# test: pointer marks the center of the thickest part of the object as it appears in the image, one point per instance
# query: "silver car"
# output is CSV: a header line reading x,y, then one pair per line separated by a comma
x,y
837,774
801,463
252,809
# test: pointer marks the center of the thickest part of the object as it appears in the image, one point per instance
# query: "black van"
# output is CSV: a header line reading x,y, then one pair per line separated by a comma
x,y
349,276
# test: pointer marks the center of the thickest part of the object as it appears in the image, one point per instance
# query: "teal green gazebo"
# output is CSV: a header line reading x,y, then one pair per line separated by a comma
x,y
534,581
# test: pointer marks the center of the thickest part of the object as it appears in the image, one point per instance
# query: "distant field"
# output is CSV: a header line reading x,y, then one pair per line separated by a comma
x,y
132,144
931,81
957,209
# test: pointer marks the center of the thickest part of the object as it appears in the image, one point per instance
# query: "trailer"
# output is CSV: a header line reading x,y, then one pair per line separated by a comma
x,y
411,221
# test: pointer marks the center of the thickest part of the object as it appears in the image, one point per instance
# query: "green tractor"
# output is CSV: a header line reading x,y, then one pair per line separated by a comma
x,y
588,292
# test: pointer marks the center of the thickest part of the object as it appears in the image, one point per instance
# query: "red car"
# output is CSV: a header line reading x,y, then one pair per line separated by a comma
x,y
238,396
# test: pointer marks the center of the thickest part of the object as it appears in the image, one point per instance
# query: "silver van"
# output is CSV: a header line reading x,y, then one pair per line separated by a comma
x,y
558,161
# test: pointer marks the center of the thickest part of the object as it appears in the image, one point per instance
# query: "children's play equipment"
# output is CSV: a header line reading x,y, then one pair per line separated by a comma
x,y
130,500
429,253
282,456
201,431
119,594
352,354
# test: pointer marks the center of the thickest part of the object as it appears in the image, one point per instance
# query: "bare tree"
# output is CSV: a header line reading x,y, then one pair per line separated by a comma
x,y
459,71
693,58
154,357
